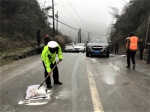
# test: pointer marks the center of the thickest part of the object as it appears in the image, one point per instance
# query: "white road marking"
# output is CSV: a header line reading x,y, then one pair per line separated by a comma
x,y
114,67
94,93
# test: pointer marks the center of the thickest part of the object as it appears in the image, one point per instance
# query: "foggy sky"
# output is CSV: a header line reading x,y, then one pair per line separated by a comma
x,y
90,15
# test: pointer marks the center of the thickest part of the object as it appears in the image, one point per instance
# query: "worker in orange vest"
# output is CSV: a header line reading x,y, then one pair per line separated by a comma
x,y
132,46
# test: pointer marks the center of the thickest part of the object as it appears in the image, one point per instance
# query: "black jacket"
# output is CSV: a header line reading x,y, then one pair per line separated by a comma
x,y
46,40
141,46
38,36
117,45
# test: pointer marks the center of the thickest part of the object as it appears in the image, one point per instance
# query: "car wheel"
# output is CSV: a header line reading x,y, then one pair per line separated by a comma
x,y
87,54
83,50
107,54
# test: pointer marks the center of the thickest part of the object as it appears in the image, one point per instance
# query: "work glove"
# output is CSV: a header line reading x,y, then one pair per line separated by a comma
x,y
49,73
60,59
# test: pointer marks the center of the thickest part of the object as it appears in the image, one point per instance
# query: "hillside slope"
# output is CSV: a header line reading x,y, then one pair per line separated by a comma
x,y
19,22
134,18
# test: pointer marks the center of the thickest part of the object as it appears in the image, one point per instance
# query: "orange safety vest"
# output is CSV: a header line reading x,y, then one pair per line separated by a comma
x,y
133,43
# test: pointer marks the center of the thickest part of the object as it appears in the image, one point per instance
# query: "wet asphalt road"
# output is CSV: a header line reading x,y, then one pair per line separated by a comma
x,y
94,84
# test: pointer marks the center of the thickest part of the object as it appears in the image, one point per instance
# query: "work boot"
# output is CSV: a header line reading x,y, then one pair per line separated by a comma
x,y
133,66
127,67
58,82
49,86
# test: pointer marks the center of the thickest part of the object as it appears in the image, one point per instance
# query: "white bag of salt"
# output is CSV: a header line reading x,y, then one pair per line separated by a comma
x,y
33,92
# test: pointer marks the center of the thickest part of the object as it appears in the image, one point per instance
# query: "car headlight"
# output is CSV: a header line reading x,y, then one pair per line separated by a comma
x,y
106,45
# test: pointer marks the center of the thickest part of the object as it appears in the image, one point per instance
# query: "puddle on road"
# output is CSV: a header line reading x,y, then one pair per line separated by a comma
x,y
110,79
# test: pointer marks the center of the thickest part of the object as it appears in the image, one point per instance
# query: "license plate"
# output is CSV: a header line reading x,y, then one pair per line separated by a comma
x,y
96,51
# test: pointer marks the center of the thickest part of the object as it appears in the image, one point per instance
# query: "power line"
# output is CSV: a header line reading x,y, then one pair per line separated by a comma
x,y
67,25
69,13
51,17
77,14
61,19
75,28
61,24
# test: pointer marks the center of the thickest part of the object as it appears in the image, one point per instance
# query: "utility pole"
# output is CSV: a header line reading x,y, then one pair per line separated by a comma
x,y
53,19
56,15
79,36
148,32
88,36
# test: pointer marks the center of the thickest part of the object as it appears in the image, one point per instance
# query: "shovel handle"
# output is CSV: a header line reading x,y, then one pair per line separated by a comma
x,y
49,74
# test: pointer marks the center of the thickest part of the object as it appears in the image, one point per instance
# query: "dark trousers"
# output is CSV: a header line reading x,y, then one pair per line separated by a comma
x,y
131,55
38,44
116,51
141,54
55,74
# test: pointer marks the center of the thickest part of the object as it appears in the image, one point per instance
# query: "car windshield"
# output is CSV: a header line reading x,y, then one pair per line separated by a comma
x,y
70,44
80,44
98,40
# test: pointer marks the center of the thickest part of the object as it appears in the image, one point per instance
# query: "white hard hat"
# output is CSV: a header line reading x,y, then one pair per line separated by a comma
x,y
52,44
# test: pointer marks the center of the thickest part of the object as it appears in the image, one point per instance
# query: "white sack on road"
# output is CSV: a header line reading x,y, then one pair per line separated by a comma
x,y
33,92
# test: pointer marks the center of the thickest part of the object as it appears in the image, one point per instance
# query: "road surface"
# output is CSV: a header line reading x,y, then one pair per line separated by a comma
x,y
93,84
